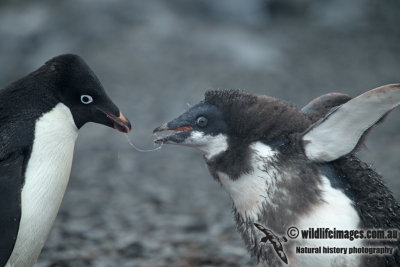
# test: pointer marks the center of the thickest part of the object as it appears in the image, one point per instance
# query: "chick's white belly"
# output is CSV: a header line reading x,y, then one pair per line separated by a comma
x,y
335,212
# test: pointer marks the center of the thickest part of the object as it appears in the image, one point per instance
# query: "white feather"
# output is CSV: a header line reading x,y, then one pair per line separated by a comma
x,y
46,179
210,145
339,132
336,211
250,191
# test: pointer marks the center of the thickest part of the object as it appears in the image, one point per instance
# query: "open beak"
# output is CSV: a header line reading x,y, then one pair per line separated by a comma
x,y
177,135
121,123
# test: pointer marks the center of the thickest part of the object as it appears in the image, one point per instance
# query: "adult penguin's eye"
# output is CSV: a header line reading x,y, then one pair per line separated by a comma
x,y
86,99
201,121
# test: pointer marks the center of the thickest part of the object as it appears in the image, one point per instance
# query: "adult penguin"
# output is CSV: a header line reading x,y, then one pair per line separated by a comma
x,y
40,116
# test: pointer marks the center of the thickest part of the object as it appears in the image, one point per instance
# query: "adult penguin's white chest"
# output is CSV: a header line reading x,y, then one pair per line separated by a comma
x,y
46,178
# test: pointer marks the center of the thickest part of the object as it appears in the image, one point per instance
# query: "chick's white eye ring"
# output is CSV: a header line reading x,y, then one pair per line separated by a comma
x,y
86,99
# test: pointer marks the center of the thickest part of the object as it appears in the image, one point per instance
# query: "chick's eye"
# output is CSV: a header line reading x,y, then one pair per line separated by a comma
x,y
201,121
86,99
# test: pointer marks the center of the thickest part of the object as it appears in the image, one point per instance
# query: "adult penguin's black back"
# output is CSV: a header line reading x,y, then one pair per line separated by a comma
x,y
20,106
40,116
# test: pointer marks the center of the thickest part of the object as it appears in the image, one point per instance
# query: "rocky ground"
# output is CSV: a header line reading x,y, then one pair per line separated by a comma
x,y
125,208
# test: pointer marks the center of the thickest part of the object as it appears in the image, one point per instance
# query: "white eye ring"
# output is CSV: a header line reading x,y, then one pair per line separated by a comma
x,y
86,99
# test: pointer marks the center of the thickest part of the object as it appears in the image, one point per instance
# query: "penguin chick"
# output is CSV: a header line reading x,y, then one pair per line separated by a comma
x,y
40,116
282,167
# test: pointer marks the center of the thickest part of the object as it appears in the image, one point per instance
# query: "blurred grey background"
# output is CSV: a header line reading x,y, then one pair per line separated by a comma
x,y
125,208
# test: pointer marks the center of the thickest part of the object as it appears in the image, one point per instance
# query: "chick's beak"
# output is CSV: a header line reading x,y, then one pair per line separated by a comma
x,y
121,123
164,127
161,128
177,136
